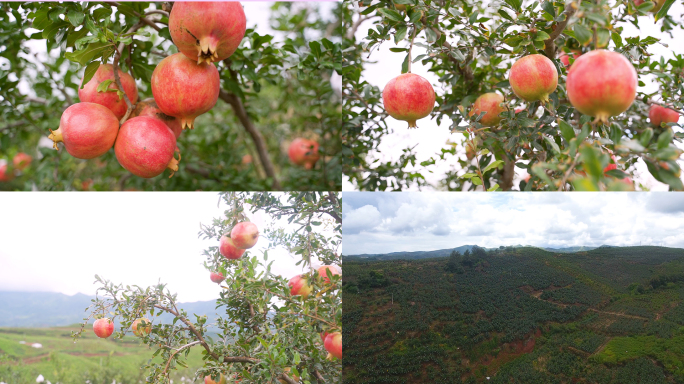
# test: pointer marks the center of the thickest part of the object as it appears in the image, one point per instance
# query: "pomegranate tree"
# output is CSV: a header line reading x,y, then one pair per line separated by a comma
x,y
145,147
303,152
659,115
207,31
601,84
228,249
184,89
408,97
88,130
109,98
491,103
533,78
149,108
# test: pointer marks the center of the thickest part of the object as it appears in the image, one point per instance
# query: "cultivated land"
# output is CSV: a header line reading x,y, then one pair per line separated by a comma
x,y
60,360
517,315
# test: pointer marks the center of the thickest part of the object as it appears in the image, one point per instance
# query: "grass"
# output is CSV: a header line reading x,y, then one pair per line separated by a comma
x,y
669,352
60,360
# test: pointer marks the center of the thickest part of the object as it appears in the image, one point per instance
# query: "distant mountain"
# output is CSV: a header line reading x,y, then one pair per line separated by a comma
x,y
50,309
446,252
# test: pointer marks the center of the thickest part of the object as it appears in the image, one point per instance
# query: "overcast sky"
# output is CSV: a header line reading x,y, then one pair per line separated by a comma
x,y
57,242
377,222
429,138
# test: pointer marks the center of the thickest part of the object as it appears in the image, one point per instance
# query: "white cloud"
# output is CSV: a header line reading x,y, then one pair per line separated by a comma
x,y
539,219
361,219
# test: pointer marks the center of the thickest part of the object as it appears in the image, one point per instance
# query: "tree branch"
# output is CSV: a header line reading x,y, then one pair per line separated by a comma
x,y
142,18
465,71
174,354
257,138
549,44
115,64
508,173
287,378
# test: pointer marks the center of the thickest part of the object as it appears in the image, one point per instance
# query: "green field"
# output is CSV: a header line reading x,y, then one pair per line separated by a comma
x,y
60,360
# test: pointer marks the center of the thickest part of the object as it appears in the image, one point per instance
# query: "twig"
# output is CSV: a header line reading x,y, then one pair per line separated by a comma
x,y
174,354
466,71
287,378
115,64
569,171
352,31
550,45
258,139
411,48
141,17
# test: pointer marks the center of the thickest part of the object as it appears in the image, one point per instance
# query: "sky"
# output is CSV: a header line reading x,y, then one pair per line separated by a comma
x,y
375,222
430,137
57,242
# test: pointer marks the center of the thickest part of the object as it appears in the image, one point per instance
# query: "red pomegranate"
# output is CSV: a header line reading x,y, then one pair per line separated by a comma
x,y
244,235
21,161
601,84
333,344
4,175
207,31
228,249
145,147
323,272
659,115
408,97
185,89
490,103
533,78
216,277
88,130
109,99
304,152
565,57
103,328
149,108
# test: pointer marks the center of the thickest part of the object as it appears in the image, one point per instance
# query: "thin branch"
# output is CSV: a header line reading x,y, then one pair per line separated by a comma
x,y
115,64
156,11
174,354
465,71
568,172
142,18
258,139
287,378
550,45
352,31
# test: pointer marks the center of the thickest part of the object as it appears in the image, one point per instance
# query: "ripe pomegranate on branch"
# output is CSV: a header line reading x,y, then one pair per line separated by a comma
x,y
525,96
245,90
265,332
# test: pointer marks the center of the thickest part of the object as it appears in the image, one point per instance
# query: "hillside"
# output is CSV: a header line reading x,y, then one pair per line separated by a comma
x,y
51,309
612,315
446,252
60,360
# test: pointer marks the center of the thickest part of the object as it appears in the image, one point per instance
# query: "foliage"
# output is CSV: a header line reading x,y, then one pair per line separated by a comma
x,y
265,334
470,47
515,315
281,81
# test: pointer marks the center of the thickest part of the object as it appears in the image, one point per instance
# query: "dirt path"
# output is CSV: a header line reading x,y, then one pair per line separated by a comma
x,y
619,314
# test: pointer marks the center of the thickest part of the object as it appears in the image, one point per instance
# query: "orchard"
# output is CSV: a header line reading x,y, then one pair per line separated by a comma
x,y
170,96
266,333
525,95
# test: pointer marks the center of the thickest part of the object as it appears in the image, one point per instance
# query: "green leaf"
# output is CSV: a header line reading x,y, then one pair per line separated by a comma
x,y
582,34
431,35
548,7
646,6
541,36
391,14
404,65
617,39
493,188
492,165
75,17
591,162
646,136
602,37
104,86
52,29
566,130
400,34
476,181
92,51
315,48
664,9
552,144
665,139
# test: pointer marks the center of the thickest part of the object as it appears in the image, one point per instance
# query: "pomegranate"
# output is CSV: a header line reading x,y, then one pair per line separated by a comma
x,y
88,130
139,330
533,78
21,161
247,159
109,99
304,152
244,235
299,286
145,147
333,344
322,271
659,115
216,277
208,380
565,57
4,175
149,108
323,336
207,31
103,328
228,249
185,89
490,103
601,84
408,97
